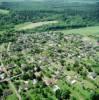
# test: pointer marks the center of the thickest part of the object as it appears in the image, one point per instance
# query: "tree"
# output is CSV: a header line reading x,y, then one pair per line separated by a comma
x,y
95,95
1,90
62,94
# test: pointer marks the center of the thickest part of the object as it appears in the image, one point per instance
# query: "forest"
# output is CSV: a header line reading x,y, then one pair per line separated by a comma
x,y
71,16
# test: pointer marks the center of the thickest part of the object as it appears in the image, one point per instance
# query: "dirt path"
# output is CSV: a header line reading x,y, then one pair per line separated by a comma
x,y
12,86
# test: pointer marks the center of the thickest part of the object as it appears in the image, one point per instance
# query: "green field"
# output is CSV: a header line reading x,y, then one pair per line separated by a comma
x,y
85,31
30,25
1,32
3,11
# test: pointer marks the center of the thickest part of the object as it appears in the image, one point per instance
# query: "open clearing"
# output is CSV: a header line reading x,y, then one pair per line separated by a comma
x,y
30,25
1,32
85,31
3,11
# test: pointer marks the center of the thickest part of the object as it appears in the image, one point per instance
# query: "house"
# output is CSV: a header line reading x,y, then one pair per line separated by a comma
x,y
2,76
38,74
1,69
49,81
35,68
97,44
92,75
7,92
55,88
71,80
34,81
26,85
26,82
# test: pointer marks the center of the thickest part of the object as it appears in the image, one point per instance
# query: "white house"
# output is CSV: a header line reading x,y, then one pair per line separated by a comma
x,y
55,88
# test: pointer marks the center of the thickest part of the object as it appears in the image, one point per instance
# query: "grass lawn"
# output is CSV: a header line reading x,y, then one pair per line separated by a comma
x,y
74,93
30,25
97,80
12,97
81,91
1,32
88,84
77,90
91,30
32,96
3,11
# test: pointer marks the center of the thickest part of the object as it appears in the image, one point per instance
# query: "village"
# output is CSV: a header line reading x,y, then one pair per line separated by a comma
x,y
49,60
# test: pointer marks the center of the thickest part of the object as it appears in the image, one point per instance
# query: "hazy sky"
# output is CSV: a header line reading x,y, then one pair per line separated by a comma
x,y
82,1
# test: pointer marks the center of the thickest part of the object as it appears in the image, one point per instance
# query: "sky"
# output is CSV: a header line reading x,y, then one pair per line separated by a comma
x,y
82,1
